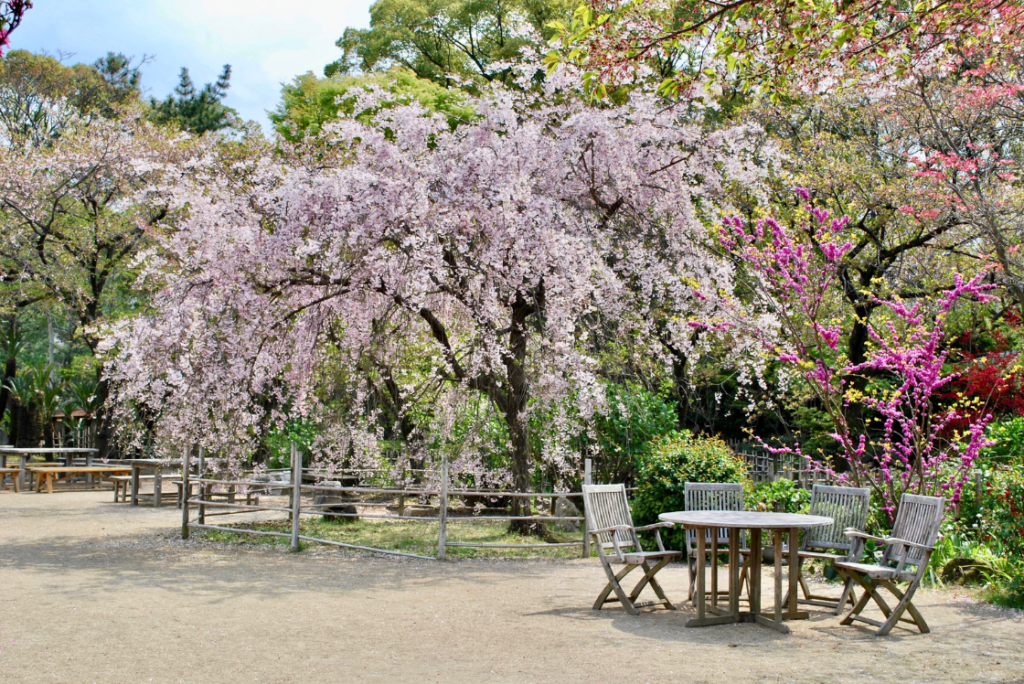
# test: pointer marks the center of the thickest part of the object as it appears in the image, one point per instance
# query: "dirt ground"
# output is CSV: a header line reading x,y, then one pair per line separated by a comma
x,y
91,591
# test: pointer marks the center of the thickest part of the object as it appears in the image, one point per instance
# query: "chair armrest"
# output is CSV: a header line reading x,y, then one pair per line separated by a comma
x,y
654,526
613,528
854,532
897,540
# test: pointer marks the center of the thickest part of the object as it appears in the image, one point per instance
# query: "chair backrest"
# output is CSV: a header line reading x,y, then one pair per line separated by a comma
x,y
917,520
712,496
847,506
606,506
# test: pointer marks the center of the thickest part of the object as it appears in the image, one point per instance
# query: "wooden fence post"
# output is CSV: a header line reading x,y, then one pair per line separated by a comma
x,y
185,489
203,487
296,494
587,477
442,510
401,497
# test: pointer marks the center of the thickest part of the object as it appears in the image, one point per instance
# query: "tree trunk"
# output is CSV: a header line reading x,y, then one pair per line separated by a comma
x,y
682,396
857,354
515,420
102,415
30,427
10,369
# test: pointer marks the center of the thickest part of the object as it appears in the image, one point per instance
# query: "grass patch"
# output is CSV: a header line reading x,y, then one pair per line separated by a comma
x,y
406,536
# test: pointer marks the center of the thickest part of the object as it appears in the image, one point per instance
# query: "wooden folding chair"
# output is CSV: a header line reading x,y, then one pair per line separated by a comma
x,y
848,507
708,496
911,544
611,526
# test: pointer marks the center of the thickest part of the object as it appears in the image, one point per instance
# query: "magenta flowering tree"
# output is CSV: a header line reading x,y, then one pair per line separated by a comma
x,y
493,248
11,14
909,449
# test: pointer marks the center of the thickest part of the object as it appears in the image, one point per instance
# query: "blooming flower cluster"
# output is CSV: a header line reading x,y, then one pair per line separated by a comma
x,y
910,452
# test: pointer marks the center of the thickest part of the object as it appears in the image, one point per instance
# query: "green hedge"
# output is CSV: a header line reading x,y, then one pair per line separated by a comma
x,y
1004,522
672,461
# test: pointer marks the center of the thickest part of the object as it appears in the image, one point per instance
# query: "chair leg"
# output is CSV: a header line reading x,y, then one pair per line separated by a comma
x,y
648,578
613,585
904,604
870,592
691,565
848,596
803,582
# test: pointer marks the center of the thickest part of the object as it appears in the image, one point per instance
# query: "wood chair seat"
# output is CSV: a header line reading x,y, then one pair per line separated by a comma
x,y
875,571
644,556
820,555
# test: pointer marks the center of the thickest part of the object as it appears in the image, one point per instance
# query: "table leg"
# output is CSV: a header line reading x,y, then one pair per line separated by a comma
x,y
26,481
754,581
794,573
777,534
792,611
157,487
135,485
699,595
88,464
49,483
701,550
734,572
714,571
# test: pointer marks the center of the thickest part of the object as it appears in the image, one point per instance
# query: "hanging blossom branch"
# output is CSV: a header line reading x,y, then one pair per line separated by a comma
x,y
799,282
11,14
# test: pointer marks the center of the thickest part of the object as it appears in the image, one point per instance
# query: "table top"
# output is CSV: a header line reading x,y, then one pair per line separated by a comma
x,y
744,519
81,469
44,450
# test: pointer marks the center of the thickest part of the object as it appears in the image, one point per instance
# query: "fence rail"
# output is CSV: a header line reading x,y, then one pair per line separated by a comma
x,y
763,466
438,498
196,507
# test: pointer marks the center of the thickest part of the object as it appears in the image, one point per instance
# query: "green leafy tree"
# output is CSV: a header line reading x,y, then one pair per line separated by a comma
x,y
309,102
196,111
40,97
448,40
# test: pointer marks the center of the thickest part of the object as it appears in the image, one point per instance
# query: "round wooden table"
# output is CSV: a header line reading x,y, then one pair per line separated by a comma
x,y
734,521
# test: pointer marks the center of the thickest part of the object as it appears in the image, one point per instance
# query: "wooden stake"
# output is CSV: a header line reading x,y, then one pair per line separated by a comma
x,y
204,489
442,513
296,494
186,457
587,476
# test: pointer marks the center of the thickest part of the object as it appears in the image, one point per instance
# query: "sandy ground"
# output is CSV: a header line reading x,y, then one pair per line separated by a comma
x,y
96,592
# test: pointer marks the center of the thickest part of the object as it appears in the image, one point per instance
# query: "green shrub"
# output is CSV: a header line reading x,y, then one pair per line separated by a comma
x,y
672,461
1008,436
783,496
1003,522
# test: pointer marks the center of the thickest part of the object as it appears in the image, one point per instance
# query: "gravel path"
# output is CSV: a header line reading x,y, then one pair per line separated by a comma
x,y
96,592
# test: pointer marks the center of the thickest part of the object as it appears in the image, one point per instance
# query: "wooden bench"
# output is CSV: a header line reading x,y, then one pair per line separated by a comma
x,y
123,486
15,474
50,475
252,497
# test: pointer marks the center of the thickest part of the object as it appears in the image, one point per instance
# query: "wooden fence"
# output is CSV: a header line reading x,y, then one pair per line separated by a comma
x,y
764,466
197,507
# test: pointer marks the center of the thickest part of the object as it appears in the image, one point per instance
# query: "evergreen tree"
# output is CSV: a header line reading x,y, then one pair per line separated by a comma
x,y
196,111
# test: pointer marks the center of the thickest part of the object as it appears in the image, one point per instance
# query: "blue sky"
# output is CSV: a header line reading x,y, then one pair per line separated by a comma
x,y
266,43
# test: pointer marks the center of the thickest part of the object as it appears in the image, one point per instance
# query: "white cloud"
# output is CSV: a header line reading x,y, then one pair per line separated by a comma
x,y
266,42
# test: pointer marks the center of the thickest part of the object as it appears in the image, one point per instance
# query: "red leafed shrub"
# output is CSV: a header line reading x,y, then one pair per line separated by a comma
x,y
991,374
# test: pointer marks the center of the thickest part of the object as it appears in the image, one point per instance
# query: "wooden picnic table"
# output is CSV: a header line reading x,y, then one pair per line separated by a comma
x,y
156,465
25,453
734,521
51,474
